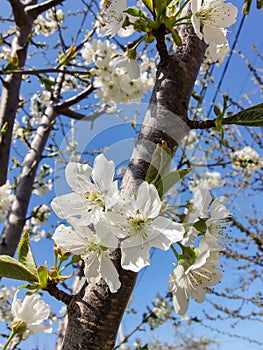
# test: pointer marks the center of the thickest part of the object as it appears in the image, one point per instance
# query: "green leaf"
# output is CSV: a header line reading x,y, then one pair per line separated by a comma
x,y
25,255
11,268
160,163
42,276
66,57
135,12
252,116
148,4
160,6
47,83
13,63
170,179
176,37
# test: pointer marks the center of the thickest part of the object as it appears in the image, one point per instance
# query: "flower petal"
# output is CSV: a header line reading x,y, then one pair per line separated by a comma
x,y
135,258
77,176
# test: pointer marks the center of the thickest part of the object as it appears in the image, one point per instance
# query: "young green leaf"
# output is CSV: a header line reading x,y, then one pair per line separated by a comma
x,y
148,4
169,180
160,164
25,255
252,116
11,268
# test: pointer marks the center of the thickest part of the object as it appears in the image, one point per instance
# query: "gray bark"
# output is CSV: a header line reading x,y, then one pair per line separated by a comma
x,y
24,15
16,217
94,314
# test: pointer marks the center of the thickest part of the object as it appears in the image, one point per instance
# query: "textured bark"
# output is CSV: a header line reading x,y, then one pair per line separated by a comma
x,y
24,15
94,314
17,215
11,85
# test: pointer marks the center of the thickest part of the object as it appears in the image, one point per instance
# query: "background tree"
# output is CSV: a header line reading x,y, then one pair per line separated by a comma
x,y
83,76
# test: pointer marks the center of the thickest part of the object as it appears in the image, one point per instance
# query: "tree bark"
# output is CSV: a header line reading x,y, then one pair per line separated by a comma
x,y
11,85
17,215
94,314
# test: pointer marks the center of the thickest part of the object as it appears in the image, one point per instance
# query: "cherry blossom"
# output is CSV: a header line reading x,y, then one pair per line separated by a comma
x,y
93,249
90,197
210,18
140,227
194,273
29,314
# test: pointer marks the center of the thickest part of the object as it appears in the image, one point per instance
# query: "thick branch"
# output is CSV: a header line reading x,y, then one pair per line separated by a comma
x,y
59,294
93,319
36,10
17,215
11,85
201,124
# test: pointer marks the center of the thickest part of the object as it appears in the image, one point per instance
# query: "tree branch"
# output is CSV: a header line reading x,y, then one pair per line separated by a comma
x,y
35,10
43,71
75,99
11,85
19,12
79,116
59,294
17,215
201,124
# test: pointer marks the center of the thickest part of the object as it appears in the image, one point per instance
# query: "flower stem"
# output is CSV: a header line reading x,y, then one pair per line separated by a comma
x,y
11,336
175,252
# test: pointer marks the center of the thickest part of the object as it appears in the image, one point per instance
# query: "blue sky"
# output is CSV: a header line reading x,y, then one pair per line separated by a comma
x,y
154,278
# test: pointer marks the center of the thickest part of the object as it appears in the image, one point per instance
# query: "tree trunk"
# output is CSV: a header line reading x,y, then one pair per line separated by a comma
x,y
94,314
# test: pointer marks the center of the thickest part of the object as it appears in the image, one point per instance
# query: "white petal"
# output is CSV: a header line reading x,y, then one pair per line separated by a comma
x,y
133,69
180,301
103,172
213,35
69,240
196,25
125,32
135,258
92,267
68,205
148,200
173,231
77,176
105,236
110,274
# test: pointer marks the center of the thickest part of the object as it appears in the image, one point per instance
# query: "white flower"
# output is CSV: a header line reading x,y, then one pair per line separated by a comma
x,y
217,52
113,18
218,213
213,217
93,249
191,278
30,313
132,66
6,199
90,198
140,227
212,16
208,180
247,160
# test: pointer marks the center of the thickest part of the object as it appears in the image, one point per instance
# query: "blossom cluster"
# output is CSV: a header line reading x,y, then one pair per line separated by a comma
x,y
117,77
197,266
102,219
209,18
49,24
246,160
